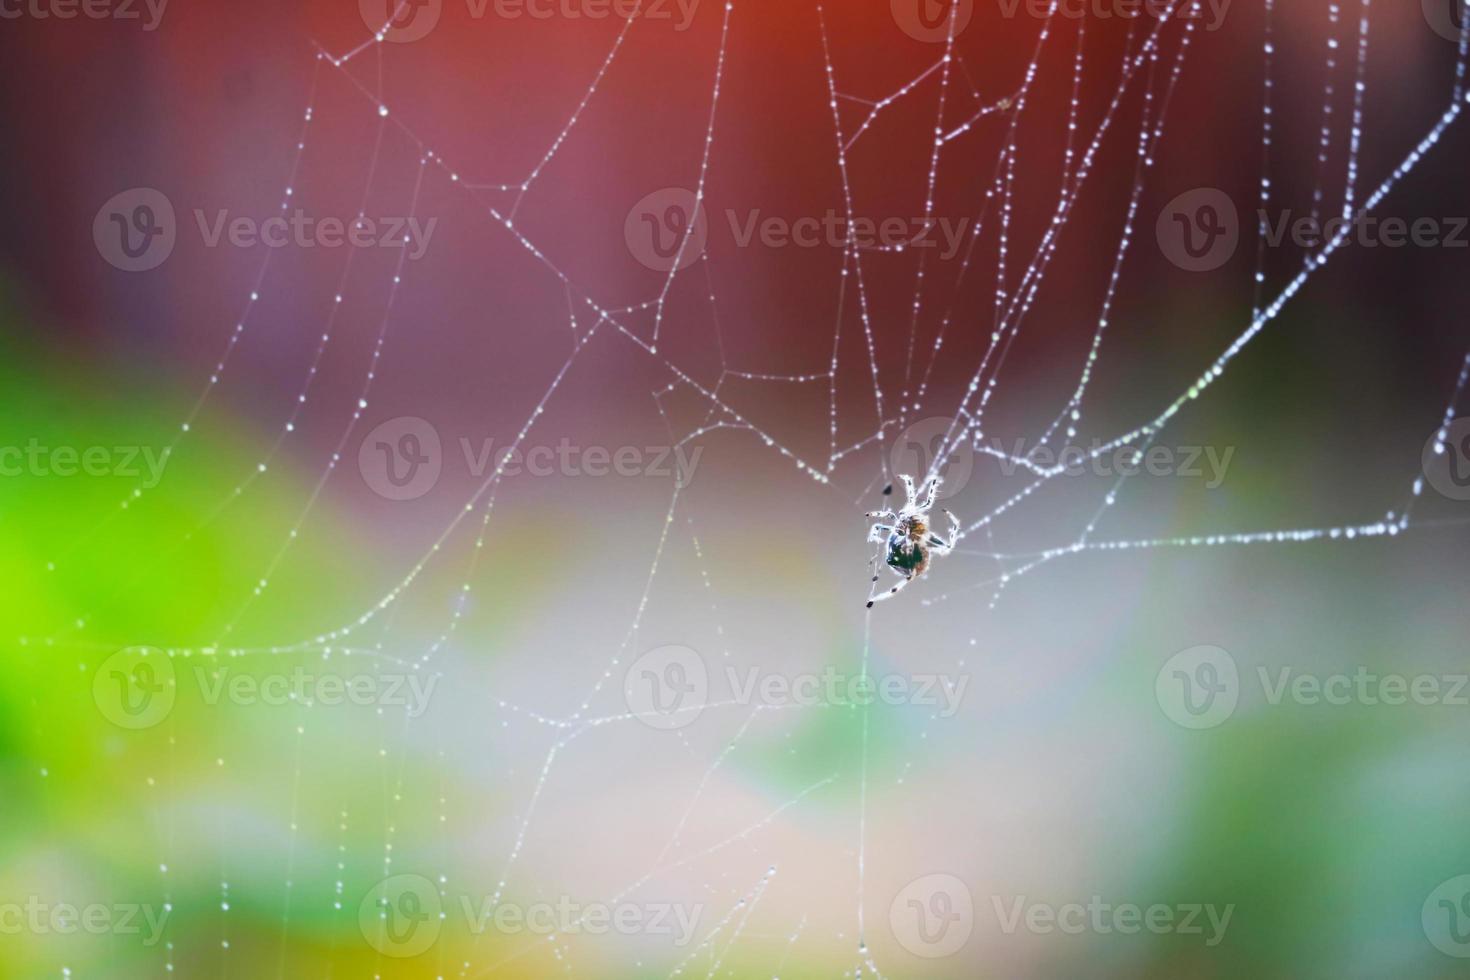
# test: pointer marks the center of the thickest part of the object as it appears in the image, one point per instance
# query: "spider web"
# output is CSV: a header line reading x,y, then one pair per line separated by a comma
x,y
959,329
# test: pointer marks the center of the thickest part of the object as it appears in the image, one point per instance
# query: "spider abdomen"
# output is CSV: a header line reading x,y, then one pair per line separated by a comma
x,y
905,554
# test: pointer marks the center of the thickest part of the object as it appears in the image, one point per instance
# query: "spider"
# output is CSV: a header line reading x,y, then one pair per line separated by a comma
x,y
910,544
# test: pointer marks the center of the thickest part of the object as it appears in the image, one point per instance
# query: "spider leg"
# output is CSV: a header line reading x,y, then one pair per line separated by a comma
x,y
908,489
877,552
891,592
879,532
945,547
930,493
885,514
